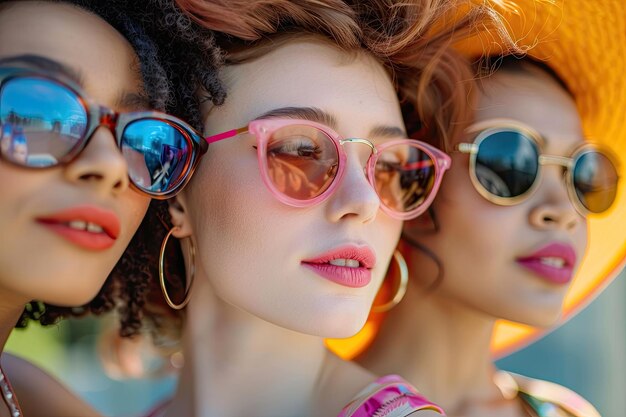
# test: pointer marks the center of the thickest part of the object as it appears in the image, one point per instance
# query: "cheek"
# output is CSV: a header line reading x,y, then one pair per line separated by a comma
x,y
229,196
17,185
234,218
475,242
133,207
580,240
385,240
471,228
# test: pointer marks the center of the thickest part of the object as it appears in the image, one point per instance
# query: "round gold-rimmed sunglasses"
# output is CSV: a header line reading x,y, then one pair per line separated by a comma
x,y
506,160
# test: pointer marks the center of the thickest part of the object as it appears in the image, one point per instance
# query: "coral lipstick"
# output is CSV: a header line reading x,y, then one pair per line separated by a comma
x,y
349,266
554,263
89,227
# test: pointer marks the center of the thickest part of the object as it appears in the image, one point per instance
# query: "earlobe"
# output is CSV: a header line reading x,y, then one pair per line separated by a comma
x,y
179,217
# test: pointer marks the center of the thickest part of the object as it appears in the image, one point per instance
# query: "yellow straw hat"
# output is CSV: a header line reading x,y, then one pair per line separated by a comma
x,y
584,42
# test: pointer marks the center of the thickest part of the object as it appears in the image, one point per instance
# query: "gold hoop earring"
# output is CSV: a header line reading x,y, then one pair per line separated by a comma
x,y
401,291
192,262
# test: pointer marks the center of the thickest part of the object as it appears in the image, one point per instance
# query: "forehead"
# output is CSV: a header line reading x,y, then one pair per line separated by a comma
x,y
353,87
74,38
533,98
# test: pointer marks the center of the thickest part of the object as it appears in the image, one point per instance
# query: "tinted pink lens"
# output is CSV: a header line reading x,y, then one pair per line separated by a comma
x,y
404,177
302,161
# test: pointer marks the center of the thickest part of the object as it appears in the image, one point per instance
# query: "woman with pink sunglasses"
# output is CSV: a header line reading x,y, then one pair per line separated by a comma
x,y
287,228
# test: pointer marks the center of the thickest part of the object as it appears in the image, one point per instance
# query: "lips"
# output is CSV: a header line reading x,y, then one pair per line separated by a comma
x,y
554,263
90,227
349,266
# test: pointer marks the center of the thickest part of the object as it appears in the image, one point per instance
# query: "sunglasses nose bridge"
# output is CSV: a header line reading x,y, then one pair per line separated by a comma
x,y
108,118
563,161
373,150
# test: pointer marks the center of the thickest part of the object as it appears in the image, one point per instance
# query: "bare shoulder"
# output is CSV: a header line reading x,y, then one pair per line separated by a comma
x,y
40,394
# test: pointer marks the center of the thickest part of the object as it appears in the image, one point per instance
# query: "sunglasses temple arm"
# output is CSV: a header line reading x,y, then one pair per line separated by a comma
x,y
417,165
225,135
442,162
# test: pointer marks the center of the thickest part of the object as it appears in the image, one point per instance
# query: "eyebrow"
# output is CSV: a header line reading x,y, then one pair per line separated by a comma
x,y
124,100
388,132
315,114
307,113
45,64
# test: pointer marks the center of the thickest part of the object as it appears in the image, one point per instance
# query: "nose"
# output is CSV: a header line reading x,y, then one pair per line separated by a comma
x,y
354,198
554,209
100,165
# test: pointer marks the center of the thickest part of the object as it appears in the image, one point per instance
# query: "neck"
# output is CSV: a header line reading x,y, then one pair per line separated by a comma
x,y
238,364
440,346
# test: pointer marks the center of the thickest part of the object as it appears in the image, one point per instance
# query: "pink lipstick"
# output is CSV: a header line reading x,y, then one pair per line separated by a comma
x,y
90,227
349,265
554,263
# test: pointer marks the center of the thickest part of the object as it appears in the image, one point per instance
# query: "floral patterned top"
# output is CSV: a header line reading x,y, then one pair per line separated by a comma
x,y
389,396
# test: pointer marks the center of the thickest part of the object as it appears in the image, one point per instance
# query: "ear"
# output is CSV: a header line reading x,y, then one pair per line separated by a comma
x,y
179,216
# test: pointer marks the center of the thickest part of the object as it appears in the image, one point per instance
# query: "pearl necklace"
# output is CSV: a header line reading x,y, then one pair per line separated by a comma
x,y
9,396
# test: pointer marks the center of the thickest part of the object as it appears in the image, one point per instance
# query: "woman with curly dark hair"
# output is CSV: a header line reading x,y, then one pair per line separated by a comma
x,y
80,149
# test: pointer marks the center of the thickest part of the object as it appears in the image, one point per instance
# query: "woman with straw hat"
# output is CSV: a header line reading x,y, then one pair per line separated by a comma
x,y
532,189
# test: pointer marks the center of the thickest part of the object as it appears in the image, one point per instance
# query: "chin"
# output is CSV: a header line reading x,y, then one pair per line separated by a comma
x,y
70,298
537,316
547,320
336,325
336,332
345,325
344,331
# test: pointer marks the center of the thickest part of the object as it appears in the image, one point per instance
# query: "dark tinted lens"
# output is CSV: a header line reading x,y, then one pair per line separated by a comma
x,y
507,163
41,121
302,161
595,181
158,155
404,177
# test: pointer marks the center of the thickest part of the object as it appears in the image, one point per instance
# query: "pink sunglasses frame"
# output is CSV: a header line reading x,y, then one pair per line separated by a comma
x,y
263,129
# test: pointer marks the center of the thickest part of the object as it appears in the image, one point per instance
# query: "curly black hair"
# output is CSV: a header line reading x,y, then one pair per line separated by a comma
x,y
172,51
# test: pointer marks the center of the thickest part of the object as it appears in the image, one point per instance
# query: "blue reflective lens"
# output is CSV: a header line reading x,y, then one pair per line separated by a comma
x,y
41,121
157,153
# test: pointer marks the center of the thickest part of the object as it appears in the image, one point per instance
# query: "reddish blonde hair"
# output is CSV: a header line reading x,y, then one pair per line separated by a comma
x,y
411,38
251,20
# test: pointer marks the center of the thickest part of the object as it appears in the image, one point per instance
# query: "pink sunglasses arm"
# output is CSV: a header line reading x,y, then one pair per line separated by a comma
x,y
226,135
